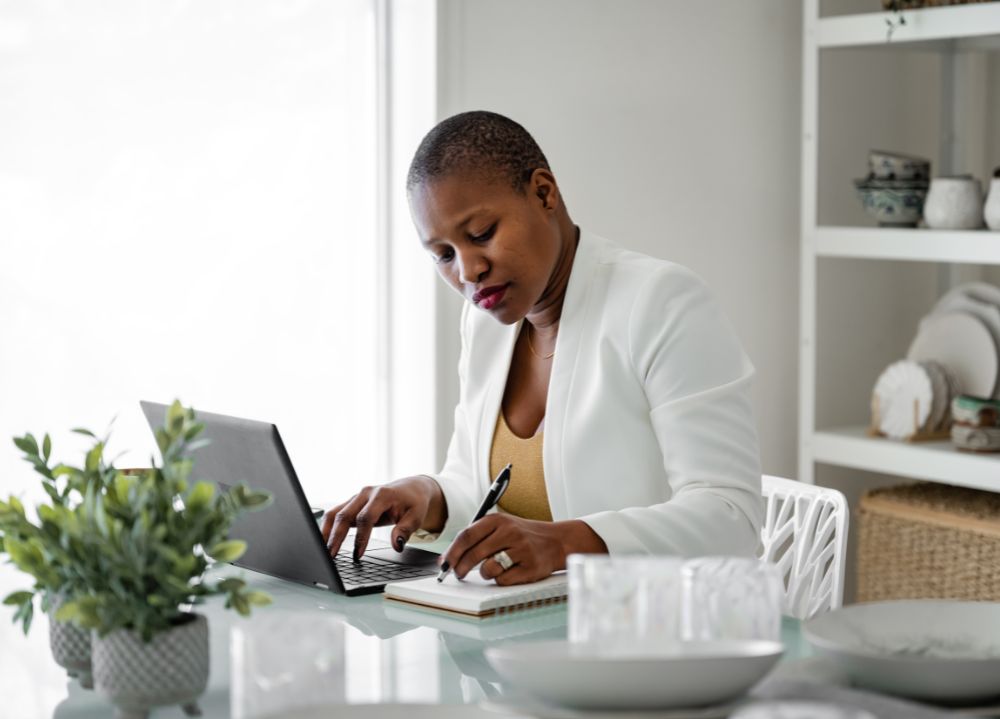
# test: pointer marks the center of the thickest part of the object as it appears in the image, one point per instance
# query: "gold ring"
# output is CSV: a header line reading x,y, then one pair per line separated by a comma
x,y
503,559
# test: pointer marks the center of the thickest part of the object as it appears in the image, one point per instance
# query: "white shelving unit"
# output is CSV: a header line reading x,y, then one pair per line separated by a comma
x,y
945,29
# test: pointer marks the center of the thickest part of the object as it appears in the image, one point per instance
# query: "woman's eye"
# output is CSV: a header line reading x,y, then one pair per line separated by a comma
x,y
444,257
485,235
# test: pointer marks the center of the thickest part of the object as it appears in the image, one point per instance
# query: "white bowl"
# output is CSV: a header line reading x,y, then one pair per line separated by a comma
x,y
934,650
690,674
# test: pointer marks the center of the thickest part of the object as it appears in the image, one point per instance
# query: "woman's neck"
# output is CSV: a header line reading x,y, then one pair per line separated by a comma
x,y
544,316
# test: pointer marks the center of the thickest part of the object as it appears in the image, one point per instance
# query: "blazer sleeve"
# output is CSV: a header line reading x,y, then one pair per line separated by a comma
x,y
456,478
697,379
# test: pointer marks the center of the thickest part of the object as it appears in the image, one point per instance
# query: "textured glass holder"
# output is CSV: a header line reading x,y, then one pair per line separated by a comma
x,y
624,605
731,598
282,661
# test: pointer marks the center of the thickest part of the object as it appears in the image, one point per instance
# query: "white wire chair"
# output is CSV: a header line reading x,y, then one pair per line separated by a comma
x,y
805,535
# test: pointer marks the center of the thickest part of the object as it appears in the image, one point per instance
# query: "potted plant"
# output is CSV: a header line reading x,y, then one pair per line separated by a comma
x,y
142,543
51,549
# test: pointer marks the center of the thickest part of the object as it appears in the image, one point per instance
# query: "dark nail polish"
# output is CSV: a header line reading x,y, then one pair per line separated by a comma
x,y
355,557
399,543
445,566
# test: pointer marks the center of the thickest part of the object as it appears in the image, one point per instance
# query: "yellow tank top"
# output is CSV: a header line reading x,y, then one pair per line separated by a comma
x,y
526,496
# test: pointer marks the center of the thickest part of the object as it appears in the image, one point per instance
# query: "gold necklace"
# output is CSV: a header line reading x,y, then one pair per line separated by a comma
x,y
531,347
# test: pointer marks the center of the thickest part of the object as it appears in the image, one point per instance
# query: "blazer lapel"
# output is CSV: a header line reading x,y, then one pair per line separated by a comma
x,y
557,405
491,402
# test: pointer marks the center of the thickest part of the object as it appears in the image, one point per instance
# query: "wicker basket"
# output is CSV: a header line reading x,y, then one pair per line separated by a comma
x,y
925,540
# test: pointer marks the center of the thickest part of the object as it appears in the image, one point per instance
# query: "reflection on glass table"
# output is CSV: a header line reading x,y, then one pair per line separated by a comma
x,y
394,654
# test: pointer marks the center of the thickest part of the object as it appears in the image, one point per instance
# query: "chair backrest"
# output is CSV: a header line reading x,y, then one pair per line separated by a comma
x,y
805,535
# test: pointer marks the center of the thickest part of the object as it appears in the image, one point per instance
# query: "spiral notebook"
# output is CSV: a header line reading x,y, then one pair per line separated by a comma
x,y
476,596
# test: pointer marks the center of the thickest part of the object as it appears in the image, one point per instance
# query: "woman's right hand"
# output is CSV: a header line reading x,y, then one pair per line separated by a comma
x,y
410,504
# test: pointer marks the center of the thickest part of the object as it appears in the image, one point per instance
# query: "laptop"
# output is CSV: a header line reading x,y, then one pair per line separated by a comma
x,y
284,539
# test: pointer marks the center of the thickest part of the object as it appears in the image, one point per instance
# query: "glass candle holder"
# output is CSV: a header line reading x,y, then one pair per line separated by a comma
x,y
624,605
280,661
731,598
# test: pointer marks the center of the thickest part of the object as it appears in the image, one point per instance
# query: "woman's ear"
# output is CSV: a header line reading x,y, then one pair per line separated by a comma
x,y
543,186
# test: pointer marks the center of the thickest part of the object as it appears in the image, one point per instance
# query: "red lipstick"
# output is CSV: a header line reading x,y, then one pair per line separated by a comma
x,y
489,297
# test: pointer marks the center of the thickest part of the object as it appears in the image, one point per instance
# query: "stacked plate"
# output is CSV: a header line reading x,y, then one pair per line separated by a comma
x,y
688,678
938,651
962,333
913,398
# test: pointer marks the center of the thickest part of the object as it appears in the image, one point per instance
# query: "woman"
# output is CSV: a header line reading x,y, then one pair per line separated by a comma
x,y
623,364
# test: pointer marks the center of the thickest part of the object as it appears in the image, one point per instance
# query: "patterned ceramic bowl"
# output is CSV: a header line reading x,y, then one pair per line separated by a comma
x,y
976,411
893,203
893,166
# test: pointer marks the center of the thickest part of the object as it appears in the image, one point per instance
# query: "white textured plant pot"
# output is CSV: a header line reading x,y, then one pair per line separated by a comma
x,y
991,211
954,203
171,669
70,647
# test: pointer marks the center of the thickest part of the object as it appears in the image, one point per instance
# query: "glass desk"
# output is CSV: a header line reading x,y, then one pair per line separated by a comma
x,y
382,653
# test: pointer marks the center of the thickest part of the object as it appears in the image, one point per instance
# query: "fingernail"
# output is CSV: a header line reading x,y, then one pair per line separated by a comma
x,y
399,543
355,557
445,566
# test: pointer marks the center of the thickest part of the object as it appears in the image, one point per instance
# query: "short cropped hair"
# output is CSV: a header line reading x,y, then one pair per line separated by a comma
x,y
481,143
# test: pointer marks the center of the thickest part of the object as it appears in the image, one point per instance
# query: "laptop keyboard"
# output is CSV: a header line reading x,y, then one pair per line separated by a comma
x,y
372,570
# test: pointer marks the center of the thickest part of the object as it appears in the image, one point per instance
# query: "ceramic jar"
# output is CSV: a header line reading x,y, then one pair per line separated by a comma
x,y
70,647
991,211
136,676
954,203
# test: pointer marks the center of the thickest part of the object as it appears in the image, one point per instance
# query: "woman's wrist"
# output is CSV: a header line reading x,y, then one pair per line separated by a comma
x,y
437,507
577,537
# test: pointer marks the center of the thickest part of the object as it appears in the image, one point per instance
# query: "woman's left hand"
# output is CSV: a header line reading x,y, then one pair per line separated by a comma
x,y
537,549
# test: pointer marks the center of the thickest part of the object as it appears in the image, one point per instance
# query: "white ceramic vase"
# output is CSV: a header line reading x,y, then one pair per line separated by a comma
x,y
991,211
954,203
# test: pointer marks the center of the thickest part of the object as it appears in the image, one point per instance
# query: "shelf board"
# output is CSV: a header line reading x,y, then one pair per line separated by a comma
x,y
977,247
934,461
957,22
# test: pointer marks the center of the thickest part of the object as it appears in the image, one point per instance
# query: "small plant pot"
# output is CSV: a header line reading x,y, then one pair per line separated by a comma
x,y
70,647
171,669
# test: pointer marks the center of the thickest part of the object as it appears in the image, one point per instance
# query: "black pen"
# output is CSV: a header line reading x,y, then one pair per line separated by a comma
x,y
497,489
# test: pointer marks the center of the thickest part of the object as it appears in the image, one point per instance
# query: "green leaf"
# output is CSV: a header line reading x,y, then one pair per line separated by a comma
x,y
240,604
94,457
200,496
231,584
193,431
258,599
253,499
198,444
86,432
18,598
228,551
24,445
24,614
31,443
47,447
68,611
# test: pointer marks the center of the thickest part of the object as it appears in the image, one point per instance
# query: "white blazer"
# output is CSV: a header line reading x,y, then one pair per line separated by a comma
x,y
649,434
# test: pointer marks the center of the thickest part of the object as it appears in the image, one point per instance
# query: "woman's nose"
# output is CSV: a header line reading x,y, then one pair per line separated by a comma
x,y
472,266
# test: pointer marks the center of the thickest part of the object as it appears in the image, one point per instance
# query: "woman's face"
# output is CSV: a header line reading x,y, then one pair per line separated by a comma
x,y
496,247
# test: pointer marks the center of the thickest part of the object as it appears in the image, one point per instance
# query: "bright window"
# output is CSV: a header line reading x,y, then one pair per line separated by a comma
x,y
188,202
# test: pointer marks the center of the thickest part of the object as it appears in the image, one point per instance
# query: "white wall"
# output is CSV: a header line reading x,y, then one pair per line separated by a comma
x,y
673,129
